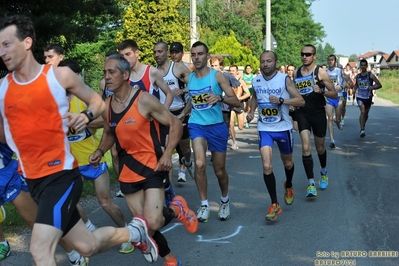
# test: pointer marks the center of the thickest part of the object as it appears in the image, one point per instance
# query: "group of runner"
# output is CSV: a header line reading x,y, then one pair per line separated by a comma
x,y
162,107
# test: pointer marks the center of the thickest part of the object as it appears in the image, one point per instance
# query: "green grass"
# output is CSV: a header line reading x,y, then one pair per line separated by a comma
x,y
390,88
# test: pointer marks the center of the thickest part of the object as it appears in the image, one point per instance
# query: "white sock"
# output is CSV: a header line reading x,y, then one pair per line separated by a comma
x,y
205,203
311,181
73,255
224,199
134,234
5,243
90,226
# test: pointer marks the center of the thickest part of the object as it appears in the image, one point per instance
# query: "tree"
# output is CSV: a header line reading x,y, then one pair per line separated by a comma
x,y
66,22
293,27
353,58
238,54
148,22
323,53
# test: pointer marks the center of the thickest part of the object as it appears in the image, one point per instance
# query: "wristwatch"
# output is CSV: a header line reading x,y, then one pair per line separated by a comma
x,y
221,98
281,100
89,115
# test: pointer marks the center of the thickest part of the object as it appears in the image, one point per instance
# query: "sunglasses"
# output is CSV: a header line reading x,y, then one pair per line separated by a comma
x,y
306,54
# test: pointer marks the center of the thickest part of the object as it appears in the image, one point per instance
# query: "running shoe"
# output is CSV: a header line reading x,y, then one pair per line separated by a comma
x,y
332,145
273,211
343,122
119,194
178,263
146,244
5,251
181,177
186,216
339,126
288,195
224,211
362,133
311,191
349,98
246,125
190,167
203,214
169,195
234,146
126,248
323,182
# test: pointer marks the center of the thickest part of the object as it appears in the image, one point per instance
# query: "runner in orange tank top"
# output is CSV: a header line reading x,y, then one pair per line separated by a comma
x,y
35,96
133,117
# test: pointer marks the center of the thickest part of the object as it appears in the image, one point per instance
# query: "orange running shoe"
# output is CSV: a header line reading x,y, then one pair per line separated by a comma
x,y
273,211
288,195
186,216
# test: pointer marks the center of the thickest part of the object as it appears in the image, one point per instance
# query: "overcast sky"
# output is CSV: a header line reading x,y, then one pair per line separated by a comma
x,y
359,26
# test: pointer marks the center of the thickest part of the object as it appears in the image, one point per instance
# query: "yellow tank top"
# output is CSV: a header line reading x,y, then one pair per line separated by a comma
x,y
83,143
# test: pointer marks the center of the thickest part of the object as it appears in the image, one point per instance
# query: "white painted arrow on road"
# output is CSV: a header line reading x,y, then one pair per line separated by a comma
x,y
221,240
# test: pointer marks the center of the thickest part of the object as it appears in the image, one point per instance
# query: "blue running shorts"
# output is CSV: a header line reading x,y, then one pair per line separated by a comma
x,y
284,139
90,172
216,135
333,102
11,182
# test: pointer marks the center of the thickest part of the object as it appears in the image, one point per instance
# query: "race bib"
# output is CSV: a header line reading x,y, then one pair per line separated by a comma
x,y
269,113
304,84
198,98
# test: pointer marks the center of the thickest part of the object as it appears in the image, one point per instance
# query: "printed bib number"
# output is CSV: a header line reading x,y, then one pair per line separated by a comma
x,y
269,113
304,85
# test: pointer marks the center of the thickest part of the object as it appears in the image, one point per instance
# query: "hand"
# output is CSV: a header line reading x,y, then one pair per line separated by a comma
x,y
164,164
317,89
212,99
177,91
274,100
76,121
95,158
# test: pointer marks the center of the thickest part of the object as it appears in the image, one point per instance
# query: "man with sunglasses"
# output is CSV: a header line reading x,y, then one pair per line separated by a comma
x,y
364,88
313,83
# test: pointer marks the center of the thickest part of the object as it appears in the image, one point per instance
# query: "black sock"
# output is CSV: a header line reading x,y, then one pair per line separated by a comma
x,y
323,159
270,182
169,214
289,173
308,165
162,244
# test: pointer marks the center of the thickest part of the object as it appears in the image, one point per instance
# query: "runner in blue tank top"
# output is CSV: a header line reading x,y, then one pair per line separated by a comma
x,y
207,127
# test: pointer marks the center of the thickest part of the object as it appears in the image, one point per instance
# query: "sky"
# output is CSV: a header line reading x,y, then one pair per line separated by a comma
x,y
358,26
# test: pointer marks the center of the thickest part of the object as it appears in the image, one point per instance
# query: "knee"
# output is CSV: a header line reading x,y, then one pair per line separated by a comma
x,y
200,165
267,168
155,223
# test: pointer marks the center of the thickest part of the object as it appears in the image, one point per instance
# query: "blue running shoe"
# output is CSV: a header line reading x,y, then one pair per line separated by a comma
x,y
323,182
311,191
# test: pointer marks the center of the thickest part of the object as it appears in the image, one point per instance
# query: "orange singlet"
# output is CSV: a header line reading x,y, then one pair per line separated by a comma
x,y
33,124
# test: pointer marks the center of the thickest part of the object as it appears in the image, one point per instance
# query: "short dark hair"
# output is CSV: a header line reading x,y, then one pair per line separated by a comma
x,y
312,46
332,55
198,43
269,51
24,26
234,66
164,44
58,49
364,61
72,64
128,44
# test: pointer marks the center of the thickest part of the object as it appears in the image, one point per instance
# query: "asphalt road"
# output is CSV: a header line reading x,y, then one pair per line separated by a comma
x,y
356,215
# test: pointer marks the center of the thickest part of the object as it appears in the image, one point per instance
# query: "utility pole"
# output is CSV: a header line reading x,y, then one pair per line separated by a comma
x,y
268,28
193,22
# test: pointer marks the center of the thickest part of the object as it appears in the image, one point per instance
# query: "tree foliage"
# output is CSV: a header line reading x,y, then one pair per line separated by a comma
x,y
148,22
67,22
323,53
292,26
238,54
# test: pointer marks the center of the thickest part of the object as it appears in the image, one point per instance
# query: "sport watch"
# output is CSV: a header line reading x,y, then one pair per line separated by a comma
x,y
89,115
281,100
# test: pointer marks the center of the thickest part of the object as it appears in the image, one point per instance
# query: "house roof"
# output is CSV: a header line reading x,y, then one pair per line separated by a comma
x,y
384,57
369,54
351,64
394,52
